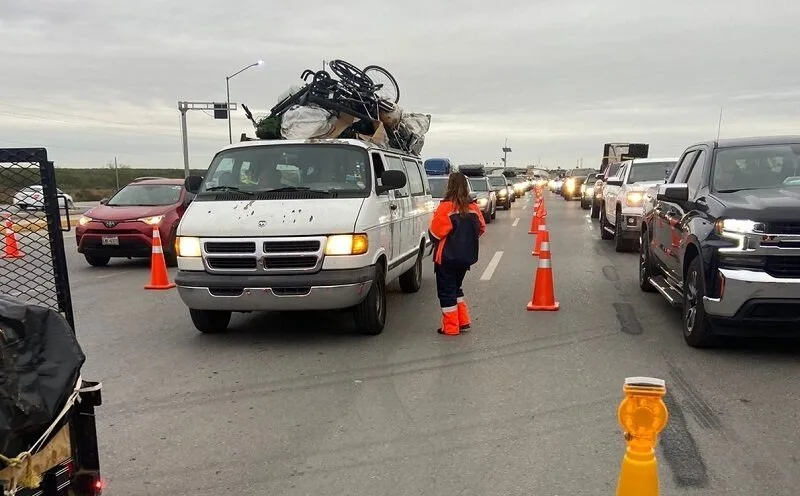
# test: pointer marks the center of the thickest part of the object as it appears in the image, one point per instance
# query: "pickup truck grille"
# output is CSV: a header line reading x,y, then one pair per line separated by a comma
x,y
263,255
784,228
782,266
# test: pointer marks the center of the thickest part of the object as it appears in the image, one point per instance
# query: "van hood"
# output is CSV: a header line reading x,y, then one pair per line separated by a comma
x,y
245,218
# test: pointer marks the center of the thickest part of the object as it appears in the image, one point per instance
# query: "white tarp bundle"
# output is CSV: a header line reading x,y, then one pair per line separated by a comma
x,y
306,122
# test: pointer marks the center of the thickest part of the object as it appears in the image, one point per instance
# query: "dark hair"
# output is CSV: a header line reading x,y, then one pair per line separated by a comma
x,y
458,192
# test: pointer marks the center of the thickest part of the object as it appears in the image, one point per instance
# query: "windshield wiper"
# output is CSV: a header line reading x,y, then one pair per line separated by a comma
x,y
229,188
293,188
732,190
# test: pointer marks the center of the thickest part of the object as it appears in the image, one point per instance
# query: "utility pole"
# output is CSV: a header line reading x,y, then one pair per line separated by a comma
x,y
116,172
506,151
221,111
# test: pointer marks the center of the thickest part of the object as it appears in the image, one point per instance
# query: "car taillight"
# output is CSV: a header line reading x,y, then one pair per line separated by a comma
x,y
89,484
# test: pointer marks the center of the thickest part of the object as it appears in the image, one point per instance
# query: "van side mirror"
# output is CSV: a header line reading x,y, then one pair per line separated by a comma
x,y
192,184
678,193
391,179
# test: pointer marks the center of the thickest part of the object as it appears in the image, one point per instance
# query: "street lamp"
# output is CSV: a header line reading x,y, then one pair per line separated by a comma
x,y
228,91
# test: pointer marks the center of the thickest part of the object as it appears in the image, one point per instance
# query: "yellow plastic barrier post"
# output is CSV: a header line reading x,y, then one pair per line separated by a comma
x,y
643,415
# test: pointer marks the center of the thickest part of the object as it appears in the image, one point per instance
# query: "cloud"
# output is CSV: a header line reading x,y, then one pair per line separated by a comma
x,y
92,79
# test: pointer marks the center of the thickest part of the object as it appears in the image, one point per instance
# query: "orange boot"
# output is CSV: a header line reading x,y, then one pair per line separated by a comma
x,y
464,322
449,322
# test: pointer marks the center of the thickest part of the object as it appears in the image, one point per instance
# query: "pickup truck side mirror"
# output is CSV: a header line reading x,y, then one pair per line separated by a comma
x,y
615,181
391,179
678,193
192,184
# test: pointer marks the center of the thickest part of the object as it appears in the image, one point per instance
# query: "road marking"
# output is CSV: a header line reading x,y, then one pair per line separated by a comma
x,y
489,272
113,274
516,221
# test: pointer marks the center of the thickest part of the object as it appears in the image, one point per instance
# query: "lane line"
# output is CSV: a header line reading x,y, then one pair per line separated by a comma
x,y
489,272
516,221
113,274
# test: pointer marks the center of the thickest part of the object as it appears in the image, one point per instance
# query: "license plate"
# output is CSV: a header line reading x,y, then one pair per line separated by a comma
x,y
110,241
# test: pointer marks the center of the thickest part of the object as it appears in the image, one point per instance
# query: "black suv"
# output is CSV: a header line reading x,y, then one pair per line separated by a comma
x,y
721,238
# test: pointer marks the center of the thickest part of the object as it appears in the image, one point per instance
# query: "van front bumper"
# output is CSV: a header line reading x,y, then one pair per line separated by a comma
x,y
324,290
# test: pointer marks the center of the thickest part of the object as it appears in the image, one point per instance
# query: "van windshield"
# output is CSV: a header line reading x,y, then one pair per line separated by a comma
x,y
340,169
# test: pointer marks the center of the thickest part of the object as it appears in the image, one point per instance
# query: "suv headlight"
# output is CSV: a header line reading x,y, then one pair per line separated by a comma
x,y
84,220
634,198
187,246
482,202
152,221
347,244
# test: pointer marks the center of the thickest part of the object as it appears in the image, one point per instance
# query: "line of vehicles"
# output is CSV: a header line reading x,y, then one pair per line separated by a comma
x,y
717,230
290,225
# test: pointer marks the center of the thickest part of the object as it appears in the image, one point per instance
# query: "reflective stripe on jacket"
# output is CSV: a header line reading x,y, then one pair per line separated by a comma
x,y
455,236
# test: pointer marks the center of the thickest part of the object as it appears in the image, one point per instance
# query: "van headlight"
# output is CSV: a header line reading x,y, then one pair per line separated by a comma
x,y
347,244
186,246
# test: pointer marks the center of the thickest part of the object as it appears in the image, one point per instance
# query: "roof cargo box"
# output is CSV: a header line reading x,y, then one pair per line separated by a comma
x,y
472,170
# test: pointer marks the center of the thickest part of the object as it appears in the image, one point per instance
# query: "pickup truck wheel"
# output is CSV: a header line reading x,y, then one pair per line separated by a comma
x,y
595,210
697,330
411,280
604,234
370,314
210,321
645,266
487,218
620,243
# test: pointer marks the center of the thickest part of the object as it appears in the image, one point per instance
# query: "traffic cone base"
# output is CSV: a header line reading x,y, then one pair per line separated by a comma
x,y
543,308
159,279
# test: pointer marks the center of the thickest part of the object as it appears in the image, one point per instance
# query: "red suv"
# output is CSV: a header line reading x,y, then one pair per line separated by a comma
x,y
122,226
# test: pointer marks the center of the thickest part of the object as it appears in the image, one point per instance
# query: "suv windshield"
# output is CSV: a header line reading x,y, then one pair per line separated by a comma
x,y
478,184
146,195
497,181
757,167
649,171
319,167
438,186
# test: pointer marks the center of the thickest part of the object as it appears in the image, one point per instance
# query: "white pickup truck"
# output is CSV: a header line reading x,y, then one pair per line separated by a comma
x,y
622,205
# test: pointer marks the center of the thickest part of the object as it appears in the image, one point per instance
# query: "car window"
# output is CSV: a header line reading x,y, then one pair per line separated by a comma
x,y
683,168
149,195
695,179
649,171
479,184
394,163
756,167
414,179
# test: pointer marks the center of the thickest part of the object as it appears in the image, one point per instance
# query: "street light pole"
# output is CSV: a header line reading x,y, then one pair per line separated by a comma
x,y
228,92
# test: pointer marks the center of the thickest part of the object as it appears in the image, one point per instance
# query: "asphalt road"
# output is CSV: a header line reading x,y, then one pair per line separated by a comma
x,y
525,404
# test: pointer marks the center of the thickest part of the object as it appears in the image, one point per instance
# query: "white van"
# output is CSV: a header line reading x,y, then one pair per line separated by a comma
x,y
303,225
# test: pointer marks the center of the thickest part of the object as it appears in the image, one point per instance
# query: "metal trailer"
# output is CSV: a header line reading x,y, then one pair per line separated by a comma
x,y
38,275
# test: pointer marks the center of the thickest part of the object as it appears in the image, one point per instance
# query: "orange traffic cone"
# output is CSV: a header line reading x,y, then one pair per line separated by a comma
x,y
544,297
538,209
11,248
159,279
537,246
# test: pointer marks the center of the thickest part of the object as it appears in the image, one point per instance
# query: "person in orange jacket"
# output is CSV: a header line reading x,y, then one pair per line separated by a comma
x,y
455,229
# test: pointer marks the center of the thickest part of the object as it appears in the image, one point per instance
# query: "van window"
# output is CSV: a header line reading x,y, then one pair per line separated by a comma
x,y
394,163
424,177
340,169
414,179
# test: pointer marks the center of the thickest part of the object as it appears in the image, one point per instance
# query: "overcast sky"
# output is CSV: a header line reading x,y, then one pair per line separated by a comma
x,y
94,79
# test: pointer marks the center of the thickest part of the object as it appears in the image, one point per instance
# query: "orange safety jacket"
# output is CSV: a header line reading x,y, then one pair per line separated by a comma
x,y
455,236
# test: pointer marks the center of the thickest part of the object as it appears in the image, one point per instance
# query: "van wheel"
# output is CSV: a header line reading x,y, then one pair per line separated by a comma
x,y
411,280
210,321
370,314
97,261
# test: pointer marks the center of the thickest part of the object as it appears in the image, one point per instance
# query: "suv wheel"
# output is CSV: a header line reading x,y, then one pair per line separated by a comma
x,y
210,321
604,234
411,280
696,328
370,314
620,243
97,261
645,266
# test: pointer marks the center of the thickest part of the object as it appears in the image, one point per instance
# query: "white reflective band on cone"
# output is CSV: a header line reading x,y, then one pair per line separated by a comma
x,y
460,299
544,263
157,249
543,227
545,246
156,234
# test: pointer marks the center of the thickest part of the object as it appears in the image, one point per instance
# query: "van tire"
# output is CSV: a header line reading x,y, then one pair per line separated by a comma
x,y
210,321
370,314
411,280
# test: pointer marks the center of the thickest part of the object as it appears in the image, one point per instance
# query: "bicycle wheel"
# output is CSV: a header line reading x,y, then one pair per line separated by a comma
x,y
389,87
350,74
